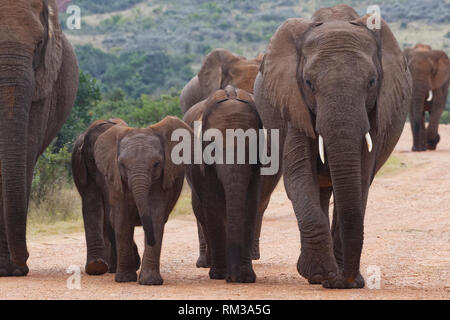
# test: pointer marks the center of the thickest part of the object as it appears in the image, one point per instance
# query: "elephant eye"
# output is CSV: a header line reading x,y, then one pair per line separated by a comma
x,y
371,83
156,164
309,85
39,44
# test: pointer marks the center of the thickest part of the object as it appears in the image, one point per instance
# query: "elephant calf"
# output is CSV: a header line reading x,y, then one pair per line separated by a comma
x,y
143,185
225,197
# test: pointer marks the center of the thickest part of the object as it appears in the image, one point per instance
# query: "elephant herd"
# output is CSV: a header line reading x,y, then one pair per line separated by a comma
x,y
337,92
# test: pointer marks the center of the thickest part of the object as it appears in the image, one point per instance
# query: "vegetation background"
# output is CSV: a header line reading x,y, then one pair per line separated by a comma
x,y
136,56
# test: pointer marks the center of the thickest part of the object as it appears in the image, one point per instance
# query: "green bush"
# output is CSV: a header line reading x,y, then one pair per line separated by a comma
x,y
51,173
88,96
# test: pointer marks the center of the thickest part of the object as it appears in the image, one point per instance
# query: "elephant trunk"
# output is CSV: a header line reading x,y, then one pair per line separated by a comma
x,y
345,138
16,91
140,187
421,93
344,159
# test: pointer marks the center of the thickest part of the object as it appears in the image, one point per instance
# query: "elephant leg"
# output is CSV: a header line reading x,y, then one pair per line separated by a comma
x,y
204,260
93,217
7,268
150,273
213,210
124,231
110,244
216,240
247,274
316,262
419,133
256,254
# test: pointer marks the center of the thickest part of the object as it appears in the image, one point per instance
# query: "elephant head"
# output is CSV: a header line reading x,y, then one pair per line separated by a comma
x,y
220,69
341,86
134,160
31,54
430,70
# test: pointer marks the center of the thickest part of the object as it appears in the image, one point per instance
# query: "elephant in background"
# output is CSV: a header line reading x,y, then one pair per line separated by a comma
x,y
38,86
220,69
92,187
225,196
339,93
430,70
143,187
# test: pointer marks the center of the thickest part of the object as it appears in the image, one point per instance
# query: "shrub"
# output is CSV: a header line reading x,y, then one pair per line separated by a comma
x,y
51,173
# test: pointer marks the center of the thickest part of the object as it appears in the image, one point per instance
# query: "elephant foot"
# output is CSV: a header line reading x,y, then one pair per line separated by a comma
x,y
432,144
9,269
339,282
419,149
316,265
255,251
245,275
217,273
150,278
96,267
112,268
203,262
128,276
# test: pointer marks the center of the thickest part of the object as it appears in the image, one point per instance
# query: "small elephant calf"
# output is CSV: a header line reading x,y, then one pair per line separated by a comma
x,y
225,197
142,185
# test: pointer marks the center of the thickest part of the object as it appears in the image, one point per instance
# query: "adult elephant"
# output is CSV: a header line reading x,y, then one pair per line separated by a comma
x,y
339,93
38,85
220,69
430,70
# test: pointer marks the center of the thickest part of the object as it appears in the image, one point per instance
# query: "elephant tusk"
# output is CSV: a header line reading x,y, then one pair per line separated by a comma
x,y
321,149
430,96
369,142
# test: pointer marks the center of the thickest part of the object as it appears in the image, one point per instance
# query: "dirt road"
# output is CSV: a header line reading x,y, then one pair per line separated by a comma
x,y
406,239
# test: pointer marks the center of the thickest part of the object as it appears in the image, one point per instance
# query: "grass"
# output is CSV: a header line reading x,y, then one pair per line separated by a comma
x,y
58,213
391,166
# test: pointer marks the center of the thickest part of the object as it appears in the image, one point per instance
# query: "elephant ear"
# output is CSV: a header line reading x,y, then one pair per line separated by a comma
x,y
48,60
79,167
213,70
441,68
396,82
279,70
106,153
164,129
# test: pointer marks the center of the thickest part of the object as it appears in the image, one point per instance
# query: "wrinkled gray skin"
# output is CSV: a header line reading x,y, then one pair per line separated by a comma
x,y
329,77
430,70
38,85
220,69
143,187
225,197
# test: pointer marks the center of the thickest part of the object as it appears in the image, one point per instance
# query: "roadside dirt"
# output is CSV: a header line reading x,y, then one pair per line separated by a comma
x,y
406,236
